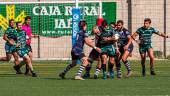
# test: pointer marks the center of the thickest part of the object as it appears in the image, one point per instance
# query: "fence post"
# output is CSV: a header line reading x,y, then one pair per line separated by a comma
x,y
129,15
39,29
165,27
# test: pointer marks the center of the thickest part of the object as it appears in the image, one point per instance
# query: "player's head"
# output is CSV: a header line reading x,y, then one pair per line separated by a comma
x,y
82,25
28,20
104,24
11,23
120,24
147,22
95,30
113,25
19,25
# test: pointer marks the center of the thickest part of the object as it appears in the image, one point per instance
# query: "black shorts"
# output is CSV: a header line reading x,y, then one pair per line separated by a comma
x,y
29,48
94,54
130,49
77,56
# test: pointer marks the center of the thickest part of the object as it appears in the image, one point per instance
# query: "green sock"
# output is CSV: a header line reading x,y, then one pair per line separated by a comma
x,y
21,63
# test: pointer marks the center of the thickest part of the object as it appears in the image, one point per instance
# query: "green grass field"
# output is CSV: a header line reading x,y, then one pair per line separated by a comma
x,y
49,84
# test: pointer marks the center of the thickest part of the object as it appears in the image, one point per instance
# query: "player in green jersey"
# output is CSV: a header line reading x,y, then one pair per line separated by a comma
x,y
107,47
145,44
10,48
22,50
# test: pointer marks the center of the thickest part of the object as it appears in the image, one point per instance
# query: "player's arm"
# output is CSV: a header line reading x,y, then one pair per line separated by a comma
x,y
5,37
89,42
134,37
110,39
162,34
128,42
113,38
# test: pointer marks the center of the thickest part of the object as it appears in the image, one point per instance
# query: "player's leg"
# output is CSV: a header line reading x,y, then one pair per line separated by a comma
x,y
112,62
17,63
84,61
112,54
142,51
68,67
119,54
27,59
110,72
7,58
126,62
118,67
126,54
151,56
103,57
8,54
24,54
104,62
16,58
23,63
88,68
98,68
29,48
109,69
143,59
94,55
12,50
15,55
26,66
91,58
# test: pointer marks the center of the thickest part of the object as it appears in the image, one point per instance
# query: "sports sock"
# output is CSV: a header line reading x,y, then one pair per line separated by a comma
x,y
97,71
68,68
151,69
80,70
118,68
110,67
88,68
127,65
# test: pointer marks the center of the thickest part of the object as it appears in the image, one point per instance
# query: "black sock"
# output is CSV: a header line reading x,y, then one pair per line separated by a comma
x,y
32,72
88,68
68,68
118,66
143,66
151,69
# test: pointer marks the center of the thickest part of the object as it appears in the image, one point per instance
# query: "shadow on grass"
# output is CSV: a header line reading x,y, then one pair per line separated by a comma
x,y
52,78
11,75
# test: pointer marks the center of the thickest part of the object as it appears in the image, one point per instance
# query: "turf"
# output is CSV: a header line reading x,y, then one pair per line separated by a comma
x,y
49,84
